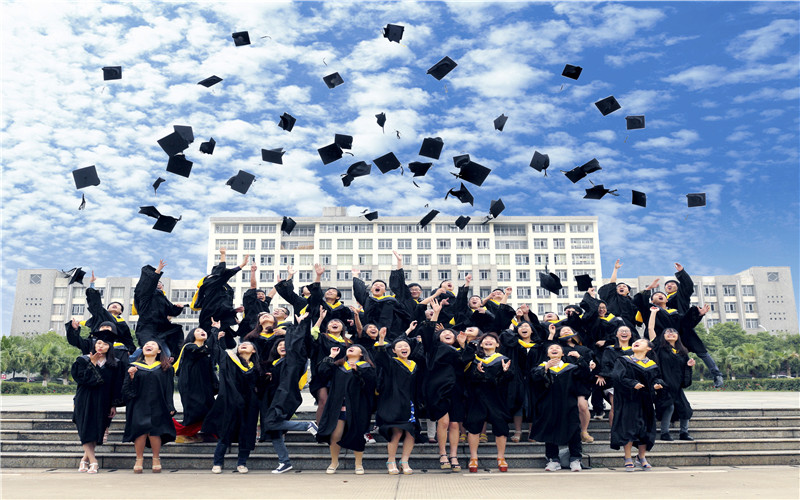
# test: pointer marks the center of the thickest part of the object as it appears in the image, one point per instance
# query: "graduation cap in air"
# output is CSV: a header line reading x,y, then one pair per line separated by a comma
x,y
472,172
185,131
463,194
241,38
540,162
587,168
571,71
393,32
273,155
441,68
85,177
696,199
584,282
333,80
598,191
634,122
211,80
343,141
174,143
387,162
607,105
288,225
330,153
163,223
241,182
179,165
287,122
419,169
428,218
496,207
112,73
381,117
208,147
158,183
550,282
638,198
431,147
357,169
371,215
75,275
462,221
500,122
460,160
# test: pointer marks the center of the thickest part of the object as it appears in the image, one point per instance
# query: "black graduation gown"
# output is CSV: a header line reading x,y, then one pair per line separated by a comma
x,y
681,299
337,310
677,375
684,323
283,392
118,349
94,303
634,409
252,308
149,403
322,349
154,309
408,308
585,384
599,328
214,299
197,379
354,389
466,317
378,310
234,416
557,389
444,386
524,356
487,393
397,389
619,305
609,357
285,289
99,388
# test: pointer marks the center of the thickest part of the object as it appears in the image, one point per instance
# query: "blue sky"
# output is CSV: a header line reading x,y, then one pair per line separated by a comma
x,y
717,82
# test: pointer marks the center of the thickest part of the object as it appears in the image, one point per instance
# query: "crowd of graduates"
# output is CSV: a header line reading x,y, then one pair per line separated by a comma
x,y
393,364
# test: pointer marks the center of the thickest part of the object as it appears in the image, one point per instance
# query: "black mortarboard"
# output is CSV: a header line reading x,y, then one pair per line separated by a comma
x,y
474,173
431,147
441,68
273,155
598,191
343,141
571,71
166,223
357,169
241,38
381,119
150,211
607,105
696,199
579,173
460,160
371,215
333,80
462,221
157,183
500,122
419,169
287,122
540,162
638,198
428,218
76,275
179,165
387,162
393,32
211,80
112,73
173,144
584,282
208,147
85,177
330,153
288,224
241,182
107,336
496,207
550,282
634,122
185,131
463,194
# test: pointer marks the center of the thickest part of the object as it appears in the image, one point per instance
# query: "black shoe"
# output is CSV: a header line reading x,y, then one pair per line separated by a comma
x,y
666,437
685,437
718,381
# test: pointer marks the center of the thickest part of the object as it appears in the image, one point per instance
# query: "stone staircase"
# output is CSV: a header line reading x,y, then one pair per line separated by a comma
x,y
48,439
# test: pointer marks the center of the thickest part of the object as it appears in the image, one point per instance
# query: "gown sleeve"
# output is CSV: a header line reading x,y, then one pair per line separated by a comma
x,y
360,291
85,373
74,339
169,389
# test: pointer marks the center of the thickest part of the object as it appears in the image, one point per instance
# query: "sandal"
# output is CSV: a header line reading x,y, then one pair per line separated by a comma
x,y
456,467
502,464
406,469
392,468
473,465
483,438
515,437
93,468
443,464
138,466
84,466
462,438
156,465
643,463
629,465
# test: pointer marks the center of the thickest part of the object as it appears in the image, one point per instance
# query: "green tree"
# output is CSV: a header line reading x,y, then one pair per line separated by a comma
x,y
53,355
726,360
15,355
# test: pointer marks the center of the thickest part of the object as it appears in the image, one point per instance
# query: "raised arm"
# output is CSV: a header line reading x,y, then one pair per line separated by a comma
x,y
613,278
360,291
651,323
253,282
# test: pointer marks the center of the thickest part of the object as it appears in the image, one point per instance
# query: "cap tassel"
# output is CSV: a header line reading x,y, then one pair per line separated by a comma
x,y
398,133
83,202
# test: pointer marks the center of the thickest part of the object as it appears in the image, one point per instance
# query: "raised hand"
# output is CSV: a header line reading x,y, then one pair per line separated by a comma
x,y
551,363
468,279
76,325
301,317
322,312
655,309
319,270
617,264
678,267
161,264
334,352
215,323
436,306
704,310
691,362
93,278
506,365
479,367
131,371
355,272
382,334
290,271
411,327
245,261
253,267
461,338
653,284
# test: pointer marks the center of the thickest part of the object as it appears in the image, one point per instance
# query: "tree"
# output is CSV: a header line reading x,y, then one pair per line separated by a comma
x,y
53,355
15,356
726,360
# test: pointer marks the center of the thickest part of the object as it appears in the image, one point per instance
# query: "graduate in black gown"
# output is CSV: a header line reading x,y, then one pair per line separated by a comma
x,y
570,342
112,313
285,288
398,378
346,417
330,299
446,296
109,329
557,384
321,344
255,301
409,296
197,382
148,392
379,308
617,298
637,380
234,416
214,299
154,310
611,353
99,376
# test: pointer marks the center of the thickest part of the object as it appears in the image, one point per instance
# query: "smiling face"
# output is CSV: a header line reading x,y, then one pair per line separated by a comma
x,y
525,331
160,286
602,310
623,334
335,326
332,294
281,348
623,289
671,286
261,296
354,351
378,288
371,331
280,314
266,319
555,351
472,332
550,316
447,337
447,285
115,308
659,299
200,334
402,349
489,344
474,302
641,346
246,348
151,348
415,291
671,335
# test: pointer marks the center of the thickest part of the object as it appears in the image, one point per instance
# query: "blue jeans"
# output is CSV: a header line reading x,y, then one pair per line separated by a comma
x,y
709,361
665,421
279,444
219,454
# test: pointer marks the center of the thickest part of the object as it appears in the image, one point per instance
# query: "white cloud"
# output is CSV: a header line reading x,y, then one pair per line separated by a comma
x,y
622,60
678,140
757,44
710,76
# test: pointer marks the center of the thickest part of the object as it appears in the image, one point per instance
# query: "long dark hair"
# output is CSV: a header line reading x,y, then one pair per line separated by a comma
x,y
190,336
661,342
273,353
616,339
110,358
162,358
483,337
364,357
254,358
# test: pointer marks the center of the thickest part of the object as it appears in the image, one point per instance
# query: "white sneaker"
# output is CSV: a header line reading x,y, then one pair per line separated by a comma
x,y
369,439
242,469
552,466
575,466
217,469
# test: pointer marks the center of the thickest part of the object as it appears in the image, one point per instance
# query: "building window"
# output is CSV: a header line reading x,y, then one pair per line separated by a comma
x,y
385,259
343,275
729,290
365,260
404,244
580,228
484,291
303,231
366,275
325,244
523,275
581,243
306,260
482,244
443,244
423,244
344,260
249,245
267,244
444,274
444,260
503,259
60,292
748,290
78,291
365,244
713,322
297,245
58,309
542,310
268,276
749,307
226,244
463,244
503,275
559,243
510,245
403,228
344,244
522,259
542,293
406,260
345,228
245,277
347,293
540,243
582,259
560,259
509,230
287,260
464,259
709,290
407,275
547,228
77,309
712,306
523,292
267,260
484,275
484,258
730,307
384,244
35,279
117,292
751,323
462,275
541,259
452,228
423,260
561,273
325,259
258,228
226,228
424,275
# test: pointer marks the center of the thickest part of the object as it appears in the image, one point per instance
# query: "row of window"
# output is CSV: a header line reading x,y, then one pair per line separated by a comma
x,y
403,244
421,259
500,229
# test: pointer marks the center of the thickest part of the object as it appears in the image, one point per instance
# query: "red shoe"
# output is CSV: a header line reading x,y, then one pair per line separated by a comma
x,y
473,465
502,464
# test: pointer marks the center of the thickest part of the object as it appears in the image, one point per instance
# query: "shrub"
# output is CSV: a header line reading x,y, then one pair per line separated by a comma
x,y
35,388
748,384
